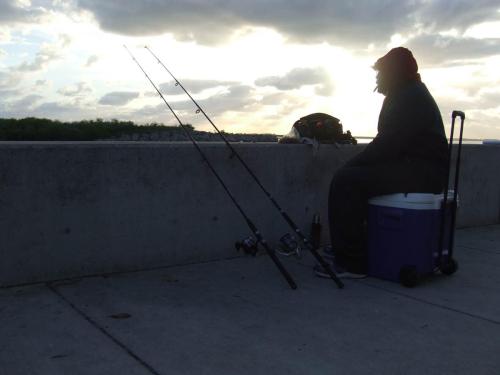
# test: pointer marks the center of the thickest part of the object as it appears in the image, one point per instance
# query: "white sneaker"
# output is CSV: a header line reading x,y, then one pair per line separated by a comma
x,y
339,271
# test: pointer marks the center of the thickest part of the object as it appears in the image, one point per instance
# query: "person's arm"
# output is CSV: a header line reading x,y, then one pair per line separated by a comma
x,y
387,145
399,124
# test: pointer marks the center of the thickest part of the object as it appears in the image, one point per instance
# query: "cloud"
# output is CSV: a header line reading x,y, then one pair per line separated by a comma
x,y
340,22
236,102
118,98
193,86
237,98
91,61
9,79
482,124
6,102
15,11
33,106
5,36
485,105
79,89
457,14
187,20
150,111
45,55
55,110
284,104
24,104
64,40
274,98
489,100
9,82
299,77
438,49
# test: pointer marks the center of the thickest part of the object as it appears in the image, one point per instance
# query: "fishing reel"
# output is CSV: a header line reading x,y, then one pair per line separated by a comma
x,y
248,245
289,246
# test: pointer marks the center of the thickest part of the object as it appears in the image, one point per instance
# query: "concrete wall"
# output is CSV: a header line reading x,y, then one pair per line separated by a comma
x,y
71,209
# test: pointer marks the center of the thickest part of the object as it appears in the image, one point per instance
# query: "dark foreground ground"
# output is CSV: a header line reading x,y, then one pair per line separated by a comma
x,y
239,317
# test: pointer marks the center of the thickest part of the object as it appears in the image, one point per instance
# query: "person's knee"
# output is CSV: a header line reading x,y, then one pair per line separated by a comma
x,y
342,184
349,176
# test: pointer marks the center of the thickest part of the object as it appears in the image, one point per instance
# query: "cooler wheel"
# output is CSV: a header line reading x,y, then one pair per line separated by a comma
x,y
449,267
408,276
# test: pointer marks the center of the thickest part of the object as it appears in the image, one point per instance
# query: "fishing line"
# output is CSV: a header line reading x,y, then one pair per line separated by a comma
x,y
252,226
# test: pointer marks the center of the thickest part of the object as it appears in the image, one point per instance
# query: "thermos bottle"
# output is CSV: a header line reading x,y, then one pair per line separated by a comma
x,y
316,231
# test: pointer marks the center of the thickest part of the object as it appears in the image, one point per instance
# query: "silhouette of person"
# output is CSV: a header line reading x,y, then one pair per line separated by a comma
x,y
409,154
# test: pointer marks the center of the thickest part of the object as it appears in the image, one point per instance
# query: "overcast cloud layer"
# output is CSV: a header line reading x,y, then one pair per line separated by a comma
x,y
357,23
12,11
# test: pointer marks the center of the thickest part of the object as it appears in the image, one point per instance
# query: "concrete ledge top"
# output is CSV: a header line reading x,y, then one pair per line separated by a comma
x,y
128,144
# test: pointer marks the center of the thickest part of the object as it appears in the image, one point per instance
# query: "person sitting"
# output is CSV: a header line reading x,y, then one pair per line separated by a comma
x,y
409,154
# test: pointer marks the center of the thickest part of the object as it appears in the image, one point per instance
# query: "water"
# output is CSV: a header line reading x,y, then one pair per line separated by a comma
x,y
366,140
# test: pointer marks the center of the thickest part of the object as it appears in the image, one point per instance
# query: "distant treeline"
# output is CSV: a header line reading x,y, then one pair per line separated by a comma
x,y
37,129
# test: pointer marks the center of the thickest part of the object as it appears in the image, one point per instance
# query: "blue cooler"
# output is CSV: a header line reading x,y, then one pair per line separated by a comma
x,y
404,230
403,233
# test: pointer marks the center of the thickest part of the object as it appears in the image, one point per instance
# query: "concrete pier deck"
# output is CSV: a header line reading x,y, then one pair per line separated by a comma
x,y
238,316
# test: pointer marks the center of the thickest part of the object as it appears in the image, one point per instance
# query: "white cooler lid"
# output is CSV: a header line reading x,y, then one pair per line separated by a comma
x,y
412,201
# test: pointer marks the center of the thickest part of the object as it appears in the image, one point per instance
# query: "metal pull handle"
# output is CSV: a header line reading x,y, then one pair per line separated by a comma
x,y
460,114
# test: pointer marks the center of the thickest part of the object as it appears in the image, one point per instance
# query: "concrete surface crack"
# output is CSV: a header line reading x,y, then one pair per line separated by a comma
x,y
470,315
103,331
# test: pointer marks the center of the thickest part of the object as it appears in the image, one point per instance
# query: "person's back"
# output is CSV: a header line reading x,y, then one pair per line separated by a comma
x,y
411,120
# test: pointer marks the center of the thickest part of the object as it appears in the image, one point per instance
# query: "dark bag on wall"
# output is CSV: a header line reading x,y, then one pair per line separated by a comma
x,y
318,127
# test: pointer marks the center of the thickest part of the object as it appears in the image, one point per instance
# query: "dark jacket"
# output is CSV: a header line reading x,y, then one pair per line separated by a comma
x,y
409,128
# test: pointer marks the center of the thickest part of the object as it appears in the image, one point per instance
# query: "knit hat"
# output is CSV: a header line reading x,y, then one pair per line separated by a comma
x,y
398,61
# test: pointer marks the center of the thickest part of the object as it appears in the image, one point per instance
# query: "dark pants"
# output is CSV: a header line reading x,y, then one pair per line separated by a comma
x,y
353,185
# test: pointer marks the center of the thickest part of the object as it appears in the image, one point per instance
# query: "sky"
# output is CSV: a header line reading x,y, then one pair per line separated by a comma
x,y
254,66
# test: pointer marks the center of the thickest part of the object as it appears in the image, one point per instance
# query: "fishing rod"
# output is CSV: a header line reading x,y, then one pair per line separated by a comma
x,y
252,226
285,216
